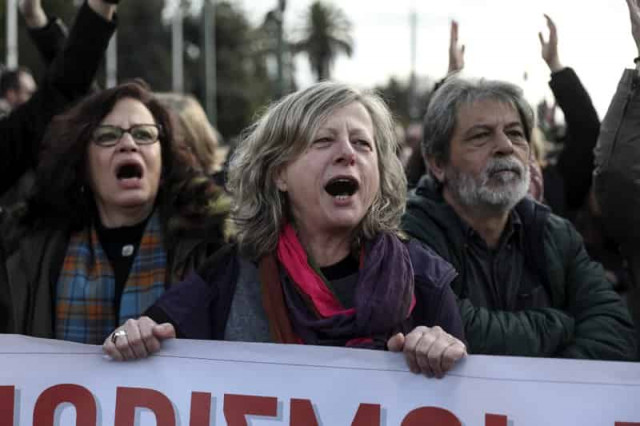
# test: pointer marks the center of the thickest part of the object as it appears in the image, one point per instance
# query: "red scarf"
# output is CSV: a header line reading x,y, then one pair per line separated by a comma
x,y
293,257
384,294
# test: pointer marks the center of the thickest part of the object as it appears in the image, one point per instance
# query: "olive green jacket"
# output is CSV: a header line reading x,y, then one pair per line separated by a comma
x,y
585,317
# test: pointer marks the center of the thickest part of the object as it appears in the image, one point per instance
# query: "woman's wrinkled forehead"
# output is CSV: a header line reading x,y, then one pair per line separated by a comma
x,y
300,121
321,120
309,128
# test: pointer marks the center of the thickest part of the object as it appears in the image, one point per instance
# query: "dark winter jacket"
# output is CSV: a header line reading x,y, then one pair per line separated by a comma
x,y
569,310
200,306
34,261
617,178
567,183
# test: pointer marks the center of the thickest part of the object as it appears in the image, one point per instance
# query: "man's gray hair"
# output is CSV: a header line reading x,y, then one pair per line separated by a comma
x,y
441,117
283,133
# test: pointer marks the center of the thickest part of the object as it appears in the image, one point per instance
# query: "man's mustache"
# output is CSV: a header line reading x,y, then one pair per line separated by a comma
x,y
497,165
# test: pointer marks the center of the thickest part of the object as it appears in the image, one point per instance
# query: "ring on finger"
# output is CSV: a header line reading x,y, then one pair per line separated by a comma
x,y
117,334
451,339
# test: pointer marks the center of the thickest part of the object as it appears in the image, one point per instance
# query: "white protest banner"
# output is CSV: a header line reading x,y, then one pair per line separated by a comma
x,y
197,383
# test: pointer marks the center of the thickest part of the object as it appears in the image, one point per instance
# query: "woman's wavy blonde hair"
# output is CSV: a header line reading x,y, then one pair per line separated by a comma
x,y
284,132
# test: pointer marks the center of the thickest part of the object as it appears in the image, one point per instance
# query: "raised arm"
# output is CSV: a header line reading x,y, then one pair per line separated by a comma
x,y
106,9
74,70
583,125
456,52
634,16
550,47
68,78
48,33
33,13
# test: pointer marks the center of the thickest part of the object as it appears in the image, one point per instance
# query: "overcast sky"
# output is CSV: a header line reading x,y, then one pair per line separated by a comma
x,y
500,37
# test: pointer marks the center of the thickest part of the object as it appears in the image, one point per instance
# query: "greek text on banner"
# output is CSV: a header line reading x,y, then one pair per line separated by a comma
x,y
197,383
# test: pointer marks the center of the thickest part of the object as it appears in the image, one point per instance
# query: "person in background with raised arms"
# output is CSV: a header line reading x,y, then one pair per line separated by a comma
x,y
617,176
416,167
68,79
48,34
567,181
568,173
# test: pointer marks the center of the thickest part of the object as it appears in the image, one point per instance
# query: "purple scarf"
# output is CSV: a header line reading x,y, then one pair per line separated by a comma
x,y
383,299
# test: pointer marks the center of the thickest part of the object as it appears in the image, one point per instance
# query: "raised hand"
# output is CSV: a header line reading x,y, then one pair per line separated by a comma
x,y
104,8
634,15
428,350
33,13
550,47
456,53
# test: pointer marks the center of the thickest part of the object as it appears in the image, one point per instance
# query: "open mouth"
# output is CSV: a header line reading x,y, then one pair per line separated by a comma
x,y
129,171
342,187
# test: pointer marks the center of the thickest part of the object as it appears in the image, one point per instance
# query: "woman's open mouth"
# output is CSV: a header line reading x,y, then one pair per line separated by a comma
x,y
129,171
342,187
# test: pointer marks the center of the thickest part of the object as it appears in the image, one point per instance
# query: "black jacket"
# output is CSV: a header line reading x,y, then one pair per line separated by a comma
x,y
567,182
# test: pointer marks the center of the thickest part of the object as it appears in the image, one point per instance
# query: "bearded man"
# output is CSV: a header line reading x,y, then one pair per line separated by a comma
x,y
525,284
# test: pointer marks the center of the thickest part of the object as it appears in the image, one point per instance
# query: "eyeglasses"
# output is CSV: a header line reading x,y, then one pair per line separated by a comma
x,y
142,134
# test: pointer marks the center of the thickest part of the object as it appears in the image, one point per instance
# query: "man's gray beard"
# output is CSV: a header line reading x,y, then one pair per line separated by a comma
x,y
476,193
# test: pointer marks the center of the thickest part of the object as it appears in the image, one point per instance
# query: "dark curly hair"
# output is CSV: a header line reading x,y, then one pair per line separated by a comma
x,y
62,194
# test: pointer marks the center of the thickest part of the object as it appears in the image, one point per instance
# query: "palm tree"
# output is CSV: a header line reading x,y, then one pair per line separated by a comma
x,y
327,32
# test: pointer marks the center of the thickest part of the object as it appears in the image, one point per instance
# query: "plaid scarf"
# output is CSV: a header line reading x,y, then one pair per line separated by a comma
x,y
85,305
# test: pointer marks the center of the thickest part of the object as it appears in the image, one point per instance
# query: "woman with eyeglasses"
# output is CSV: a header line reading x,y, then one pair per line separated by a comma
x,y
116,217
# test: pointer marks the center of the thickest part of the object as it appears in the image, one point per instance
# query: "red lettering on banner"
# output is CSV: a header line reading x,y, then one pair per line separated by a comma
x,y
303,414
237,406
80,397
127,399
367,414
495,420
431,416
200,409
7,402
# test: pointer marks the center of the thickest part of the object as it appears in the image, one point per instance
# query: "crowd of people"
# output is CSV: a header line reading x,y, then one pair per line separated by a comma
x,y
120,225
